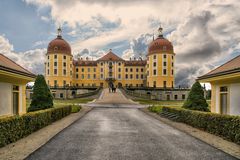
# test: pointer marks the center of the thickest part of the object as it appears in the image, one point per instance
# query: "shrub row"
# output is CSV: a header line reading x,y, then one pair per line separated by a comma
x,y
155,109
16,127
226,126
76,108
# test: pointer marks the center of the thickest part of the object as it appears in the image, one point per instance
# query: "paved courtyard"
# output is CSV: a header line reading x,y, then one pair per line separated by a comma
x,y
117,132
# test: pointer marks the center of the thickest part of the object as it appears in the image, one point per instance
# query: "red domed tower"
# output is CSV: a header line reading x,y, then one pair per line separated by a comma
x,y
160,62
58,70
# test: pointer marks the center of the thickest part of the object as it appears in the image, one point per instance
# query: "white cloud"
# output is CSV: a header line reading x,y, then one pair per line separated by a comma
x,y
203,32
33,60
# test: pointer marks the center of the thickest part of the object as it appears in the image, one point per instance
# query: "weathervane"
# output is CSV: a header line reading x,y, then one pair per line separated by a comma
x,y
59,31
160,29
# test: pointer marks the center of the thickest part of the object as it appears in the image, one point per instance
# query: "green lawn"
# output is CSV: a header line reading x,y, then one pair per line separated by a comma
x,y
64,102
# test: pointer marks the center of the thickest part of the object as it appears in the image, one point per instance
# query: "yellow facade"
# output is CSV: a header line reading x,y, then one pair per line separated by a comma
x,y
58,69
13,80
231,84
108,69
160,62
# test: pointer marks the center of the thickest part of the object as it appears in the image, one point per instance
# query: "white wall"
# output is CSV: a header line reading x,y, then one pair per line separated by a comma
x,y
5,99
235,99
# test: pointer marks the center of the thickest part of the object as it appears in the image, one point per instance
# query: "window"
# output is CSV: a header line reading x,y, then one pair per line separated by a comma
x,y
164,56
77,84
64,83
137,69
164,63
119,64
119,69
82,76
172,64
154,57
55,63
48,64
172,57
64,57
48,71
224,89
154,64
64,72
131,76
164,84
47,57
141,76
64,64
88,76
126,70
183,96
70,73
131,69
101,69
82,69
88,69
101,76
137,76
55,71
94,69
55,82
101,64
141,69
94,76
76,76
76,69
55,56
71,65
164,71
126,76
61,95
154,72
70,58
154,84
172,72
175,97
119,76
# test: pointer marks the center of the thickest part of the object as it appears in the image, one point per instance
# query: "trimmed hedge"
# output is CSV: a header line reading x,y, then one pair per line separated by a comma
x,y
76,108
155,109
16,127
226,126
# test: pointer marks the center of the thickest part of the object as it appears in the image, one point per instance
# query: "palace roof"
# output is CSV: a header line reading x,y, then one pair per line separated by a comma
x,y
110,56
136,63
84,63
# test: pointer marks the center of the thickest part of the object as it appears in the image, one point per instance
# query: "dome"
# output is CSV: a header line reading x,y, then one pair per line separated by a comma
x,y
160,45
59,45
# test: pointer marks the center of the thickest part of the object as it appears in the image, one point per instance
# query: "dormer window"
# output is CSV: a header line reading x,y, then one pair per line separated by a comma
x,y
164,48
55,48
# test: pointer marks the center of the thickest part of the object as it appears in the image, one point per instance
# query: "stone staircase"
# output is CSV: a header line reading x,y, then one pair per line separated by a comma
x,y
171,116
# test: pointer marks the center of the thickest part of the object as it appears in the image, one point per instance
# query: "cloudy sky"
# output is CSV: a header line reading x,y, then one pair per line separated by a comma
x,y
205,33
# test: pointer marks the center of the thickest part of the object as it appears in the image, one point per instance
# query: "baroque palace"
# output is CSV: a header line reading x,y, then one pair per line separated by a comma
x,y
61,70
